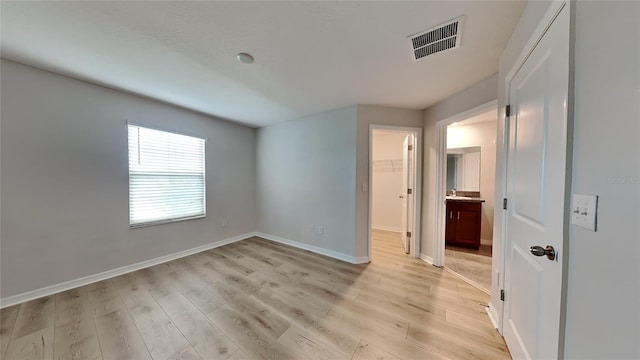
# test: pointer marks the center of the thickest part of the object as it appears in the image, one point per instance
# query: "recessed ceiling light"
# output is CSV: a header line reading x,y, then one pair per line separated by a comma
x,y
245,58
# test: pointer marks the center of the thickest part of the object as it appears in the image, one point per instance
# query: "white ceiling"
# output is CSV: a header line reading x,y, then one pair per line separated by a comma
x,y
310,56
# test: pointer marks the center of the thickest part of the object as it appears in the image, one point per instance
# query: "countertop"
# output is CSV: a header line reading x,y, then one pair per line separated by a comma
x,y
464,199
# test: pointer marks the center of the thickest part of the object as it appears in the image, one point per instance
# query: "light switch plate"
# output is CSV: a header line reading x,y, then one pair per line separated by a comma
x,y
584,211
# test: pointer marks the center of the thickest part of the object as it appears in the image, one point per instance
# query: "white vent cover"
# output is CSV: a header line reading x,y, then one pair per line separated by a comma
x,y
440,38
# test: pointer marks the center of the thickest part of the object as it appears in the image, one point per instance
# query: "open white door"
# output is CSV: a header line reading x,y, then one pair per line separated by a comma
x,y
536,183
408,196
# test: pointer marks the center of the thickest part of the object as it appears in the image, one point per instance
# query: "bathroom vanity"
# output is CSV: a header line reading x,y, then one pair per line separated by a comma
x,y
464,215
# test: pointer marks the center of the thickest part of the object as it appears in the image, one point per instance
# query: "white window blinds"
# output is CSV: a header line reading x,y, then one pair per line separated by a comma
x,y
166,176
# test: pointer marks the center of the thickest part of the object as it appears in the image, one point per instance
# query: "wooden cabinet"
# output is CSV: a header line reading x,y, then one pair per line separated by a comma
x,y
463,223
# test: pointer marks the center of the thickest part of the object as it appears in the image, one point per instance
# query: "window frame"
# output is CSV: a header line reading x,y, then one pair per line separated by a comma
x,y
204,177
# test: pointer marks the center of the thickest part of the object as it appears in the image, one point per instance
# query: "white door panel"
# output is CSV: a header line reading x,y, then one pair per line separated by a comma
x,y
536,180
530,138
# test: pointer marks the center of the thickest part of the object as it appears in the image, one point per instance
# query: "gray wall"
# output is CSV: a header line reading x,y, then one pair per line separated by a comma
x,y
603,314
603,288
65,180
306,175
475,95
373,115
310,173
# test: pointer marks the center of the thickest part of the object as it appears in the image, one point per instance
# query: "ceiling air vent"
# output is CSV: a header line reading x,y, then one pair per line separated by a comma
x,y
440,38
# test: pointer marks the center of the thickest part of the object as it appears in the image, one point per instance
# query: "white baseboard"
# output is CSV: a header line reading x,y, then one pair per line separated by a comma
x,y
493,316
486,242
386,228
315,249
54,289
425,258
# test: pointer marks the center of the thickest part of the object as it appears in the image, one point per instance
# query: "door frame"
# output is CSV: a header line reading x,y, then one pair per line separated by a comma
x,y
441,175
496,309
414,250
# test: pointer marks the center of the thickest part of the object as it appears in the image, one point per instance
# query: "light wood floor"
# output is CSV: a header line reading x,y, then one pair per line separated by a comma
x,y
256,299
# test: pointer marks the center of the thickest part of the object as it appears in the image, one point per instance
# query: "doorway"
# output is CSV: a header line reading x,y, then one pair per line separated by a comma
x,y
394,183
466,157
471,163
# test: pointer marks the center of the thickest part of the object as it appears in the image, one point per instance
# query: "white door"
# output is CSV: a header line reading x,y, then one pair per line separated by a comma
x,y
408,168
536,182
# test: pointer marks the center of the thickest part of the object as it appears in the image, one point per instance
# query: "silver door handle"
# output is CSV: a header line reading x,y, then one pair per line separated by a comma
x,y
458,215
549,251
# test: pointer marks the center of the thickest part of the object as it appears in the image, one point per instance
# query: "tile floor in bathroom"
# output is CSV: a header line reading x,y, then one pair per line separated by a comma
x,y
475,265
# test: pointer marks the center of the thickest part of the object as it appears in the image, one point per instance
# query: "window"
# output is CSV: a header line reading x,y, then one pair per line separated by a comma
x,y
166,177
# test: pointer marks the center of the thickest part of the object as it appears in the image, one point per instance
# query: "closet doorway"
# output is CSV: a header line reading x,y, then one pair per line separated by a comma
x,y
394,199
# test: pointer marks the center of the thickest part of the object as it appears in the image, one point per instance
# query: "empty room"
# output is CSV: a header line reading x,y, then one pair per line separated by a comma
x,y
319,180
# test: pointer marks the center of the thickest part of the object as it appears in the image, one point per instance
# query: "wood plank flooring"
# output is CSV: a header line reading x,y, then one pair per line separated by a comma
x,y
257,299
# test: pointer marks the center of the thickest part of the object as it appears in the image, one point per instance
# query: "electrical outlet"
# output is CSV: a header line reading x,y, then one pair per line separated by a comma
x,y
584,210
224,223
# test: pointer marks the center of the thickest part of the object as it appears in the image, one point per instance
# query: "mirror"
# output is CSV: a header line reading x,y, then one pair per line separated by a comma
x,y
463,169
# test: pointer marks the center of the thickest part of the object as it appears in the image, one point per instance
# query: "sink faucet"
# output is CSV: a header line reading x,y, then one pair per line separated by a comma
x,y
453,192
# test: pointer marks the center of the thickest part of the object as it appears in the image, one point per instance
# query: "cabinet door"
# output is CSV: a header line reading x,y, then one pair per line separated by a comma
x,y
468,227
450,230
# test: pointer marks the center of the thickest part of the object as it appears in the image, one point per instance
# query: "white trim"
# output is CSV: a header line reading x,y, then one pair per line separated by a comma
x,y
315,249
441,174
441,181
500,235
386,228
370,194
165,129
167,221
536,36
545,22
414,248
54,289
486,242
425,258
493,315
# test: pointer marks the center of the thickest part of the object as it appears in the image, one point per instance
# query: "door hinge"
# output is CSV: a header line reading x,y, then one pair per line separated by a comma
x,y
504,204
507,111
408,233
409,191
410,147
502,295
